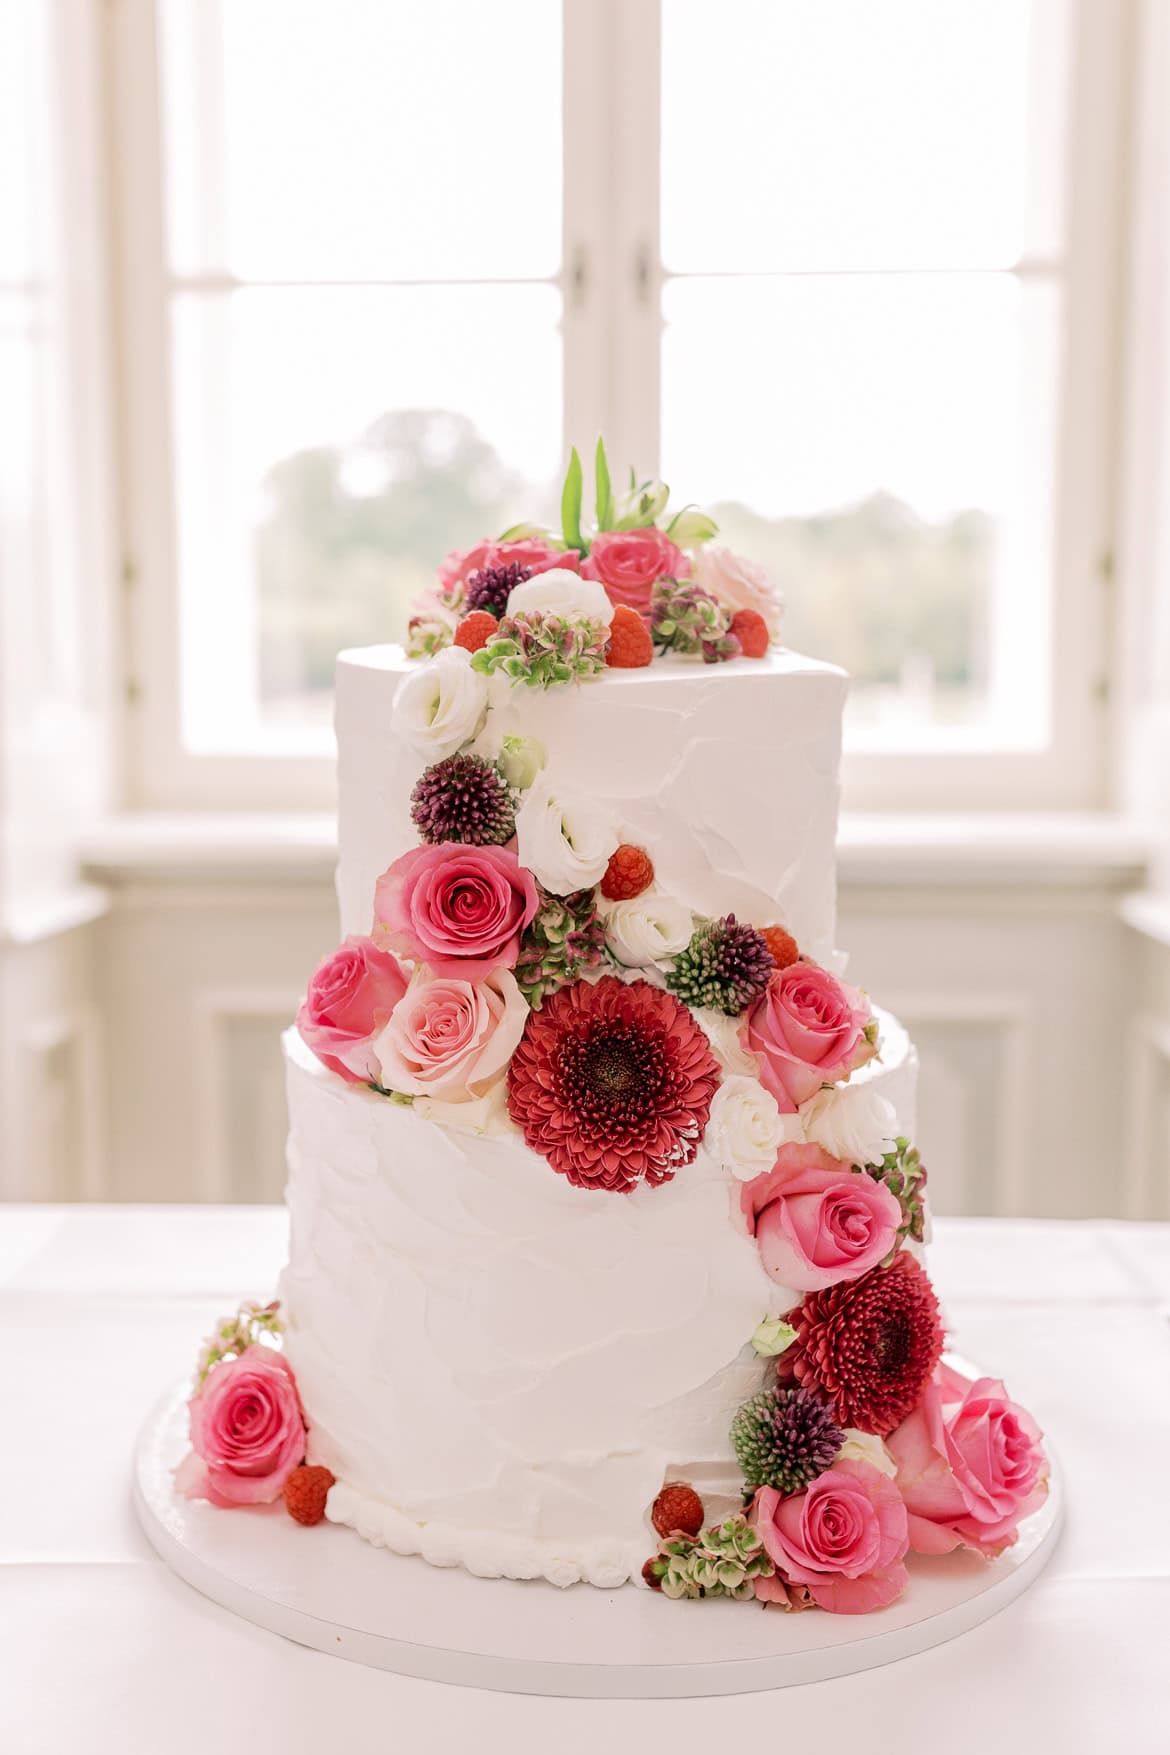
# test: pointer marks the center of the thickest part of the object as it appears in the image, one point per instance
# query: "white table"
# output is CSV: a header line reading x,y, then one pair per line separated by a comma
x,y
103,1650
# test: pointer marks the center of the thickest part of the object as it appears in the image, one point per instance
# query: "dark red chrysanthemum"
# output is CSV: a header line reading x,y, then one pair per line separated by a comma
x,y
869,1345
612,1083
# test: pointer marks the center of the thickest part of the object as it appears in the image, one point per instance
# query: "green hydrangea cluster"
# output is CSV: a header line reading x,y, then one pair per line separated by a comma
x,y
723,1561
685,618
566,937
544,650
233,1335
904,1174
428,634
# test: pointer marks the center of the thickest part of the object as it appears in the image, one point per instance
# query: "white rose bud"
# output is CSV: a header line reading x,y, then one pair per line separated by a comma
x,y
772,1337
648,929
441,706
745,1129
520,760
561,592
564,838
852,1122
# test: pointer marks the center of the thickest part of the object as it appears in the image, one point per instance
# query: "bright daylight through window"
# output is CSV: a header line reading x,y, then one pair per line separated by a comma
x,y
861,346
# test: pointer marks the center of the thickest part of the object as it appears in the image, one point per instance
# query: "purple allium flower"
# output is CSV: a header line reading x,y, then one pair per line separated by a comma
x,y
726,966
785,1438
463,799
491,587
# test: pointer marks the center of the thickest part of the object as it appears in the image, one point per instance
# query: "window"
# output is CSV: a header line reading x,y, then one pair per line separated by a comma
x,y
384,261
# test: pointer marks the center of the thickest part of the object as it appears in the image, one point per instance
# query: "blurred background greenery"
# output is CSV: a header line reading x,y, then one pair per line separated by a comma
x,y
347,537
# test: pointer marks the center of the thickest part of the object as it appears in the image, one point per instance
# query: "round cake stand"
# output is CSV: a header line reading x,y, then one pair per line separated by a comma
x,y
326,1588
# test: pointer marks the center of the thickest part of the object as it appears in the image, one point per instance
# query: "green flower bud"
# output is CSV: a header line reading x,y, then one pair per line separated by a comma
x,y
691,527
641,506
772,1336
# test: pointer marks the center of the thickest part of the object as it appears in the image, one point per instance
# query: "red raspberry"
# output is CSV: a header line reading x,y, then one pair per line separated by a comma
x,y
628,873
630,646
751,630
305,1493
782,945
475,630
677,1507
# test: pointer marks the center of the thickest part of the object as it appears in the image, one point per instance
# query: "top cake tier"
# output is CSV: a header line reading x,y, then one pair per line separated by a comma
x,y
730,773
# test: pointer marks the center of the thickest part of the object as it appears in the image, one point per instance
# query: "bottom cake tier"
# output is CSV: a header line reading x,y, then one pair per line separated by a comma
x,y
502,1369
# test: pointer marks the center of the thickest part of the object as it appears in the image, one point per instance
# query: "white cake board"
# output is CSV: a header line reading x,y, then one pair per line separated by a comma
x,y
326,1588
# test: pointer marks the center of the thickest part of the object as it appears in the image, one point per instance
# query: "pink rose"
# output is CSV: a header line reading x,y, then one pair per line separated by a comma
x,y
459,909
247,1431
843,1537
457,567
737,583
809,1031
817,1220
970,1465
349,1001
629,562
452,1039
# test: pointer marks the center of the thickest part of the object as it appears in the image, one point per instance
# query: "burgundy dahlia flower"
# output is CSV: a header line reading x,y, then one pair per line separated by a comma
x,y
869,1345
612,1083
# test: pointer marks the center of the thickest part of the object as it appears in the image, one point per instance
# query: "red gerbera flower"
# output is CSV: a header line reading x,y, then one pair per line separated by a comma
x,y
869,1345
612,1083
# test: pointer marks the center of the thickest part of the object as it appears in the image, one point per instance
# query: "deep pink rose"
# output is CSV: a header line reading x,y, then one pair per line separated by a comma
x,y
247,1431
809,1031
459,909
844,1537
457,567
450,1039
349,1001
970,1465
629,562
817,1220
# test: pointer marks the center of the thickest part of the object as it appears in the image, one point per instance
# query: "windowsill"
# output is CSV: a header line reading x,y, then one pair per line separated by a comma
x,y
1148,913
1063,848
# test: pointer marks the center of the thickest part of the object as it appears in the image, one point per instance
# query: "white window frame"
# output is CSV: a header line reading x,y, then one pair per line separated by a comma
x,y
611,279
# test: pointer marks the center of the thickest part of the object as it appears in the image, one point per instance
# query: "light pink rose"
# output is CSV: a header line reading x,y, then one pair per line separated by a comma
x,y
457,567
844,1537
808,1030
247,1431
817,1220
452,1039
457,908
737,583
349,1001
970,1465
629,562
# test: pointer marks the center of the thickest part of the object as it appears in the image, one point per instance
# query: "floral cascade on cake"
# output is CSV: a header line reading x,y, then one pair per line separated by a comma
x,y
527,976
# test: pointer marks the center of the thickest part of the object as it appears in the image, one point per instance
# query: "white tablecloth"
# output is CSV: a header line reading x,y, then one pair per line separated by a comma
x,y
102,1649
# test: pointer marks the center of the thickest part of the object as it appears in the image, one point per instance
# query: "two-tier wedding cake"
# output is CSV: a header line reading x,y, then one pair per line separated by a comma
x,y
607,1228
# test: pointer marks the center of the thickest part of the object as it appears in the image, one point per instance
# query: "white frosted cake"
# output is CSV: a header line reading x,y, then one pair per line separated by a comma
x,y
606,1225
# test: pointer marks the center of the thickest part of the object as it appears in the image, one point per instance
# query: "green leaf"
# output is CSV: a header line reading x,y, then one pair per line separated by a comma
x,y
571,504
604,490
633,480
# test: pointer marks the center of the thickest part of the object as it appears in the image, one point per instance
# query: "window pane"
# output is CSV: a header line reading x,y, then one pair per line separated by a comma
x,y
902,134
342,139
331,445
886,443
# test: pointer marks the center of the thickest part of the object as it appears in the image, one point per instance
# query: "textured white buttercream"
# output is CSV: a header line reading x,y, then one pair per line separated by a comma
x,y
502,1369
726,773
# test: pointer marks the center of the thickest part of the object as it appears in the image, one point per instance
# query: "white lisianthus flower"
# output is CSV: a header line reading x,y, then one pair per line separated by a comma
x,y
560,592
867,1447
648,928
564,838
852,1122
745,1129
441,706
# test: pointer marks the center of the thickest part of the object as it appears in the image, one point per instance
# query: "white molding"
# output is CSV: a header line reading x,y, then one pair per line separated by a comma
x,y
213,1009
1147,1072
78,1028
1010,1181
